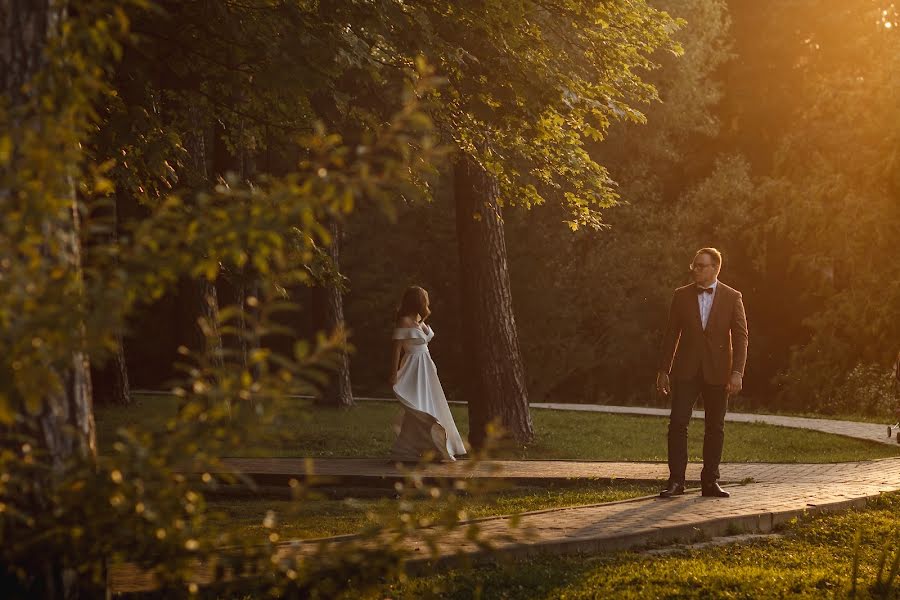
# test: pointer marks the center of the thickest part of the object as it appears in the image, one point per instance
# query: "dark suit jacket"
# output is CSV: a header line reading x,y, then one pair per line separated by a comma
x,y
716,351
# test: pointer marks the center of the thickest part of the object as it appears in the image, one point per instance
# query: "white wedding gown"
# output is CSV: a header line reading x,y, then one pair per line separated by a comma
x,y
427,421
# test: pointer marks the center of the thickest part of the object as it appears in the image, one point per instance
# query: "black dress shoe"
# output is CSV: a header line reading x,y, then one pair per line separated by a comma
x,y
712,490
673,489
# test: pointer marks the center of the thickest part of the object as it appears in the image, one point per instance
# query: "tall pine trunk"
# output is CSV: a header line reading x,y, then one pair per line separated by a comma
x,y
206,290
66,420
327,299
495,383
64,424
247,280
328,313
110,380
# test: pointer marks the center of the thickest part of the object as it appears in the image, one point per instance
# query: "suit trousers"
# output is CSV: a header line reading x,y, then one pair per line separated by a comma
x,y
715,402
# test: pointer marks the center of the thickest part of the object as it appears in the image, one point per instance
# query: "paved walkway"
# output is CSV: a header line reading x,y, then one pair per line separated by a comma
x,y
775,494
756,507
365,470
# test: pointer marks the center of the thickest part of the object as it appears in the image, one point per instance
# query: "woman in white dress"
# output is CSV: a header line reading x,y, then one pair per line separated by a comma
x,y
427,425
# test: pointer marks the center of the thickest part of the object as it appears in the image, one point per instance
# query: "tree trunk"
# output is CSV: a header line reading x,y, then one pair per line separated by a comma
x,y
66,419
328,313
110,382
209,298
209,304
327,300
249,340
26,27
495,388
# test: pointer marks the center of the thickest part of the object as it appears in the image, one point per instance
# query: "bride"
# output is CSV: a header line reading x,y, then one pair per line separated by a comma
x,y
427,425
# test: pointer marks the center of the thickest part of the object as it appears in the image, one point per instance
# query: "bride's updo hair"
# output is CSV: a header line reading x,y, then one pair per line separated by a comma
x,y
414,302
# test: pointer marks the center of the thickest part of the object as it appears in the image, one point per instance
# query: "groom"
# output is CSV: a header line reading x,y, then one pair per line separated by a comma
x,y
705,350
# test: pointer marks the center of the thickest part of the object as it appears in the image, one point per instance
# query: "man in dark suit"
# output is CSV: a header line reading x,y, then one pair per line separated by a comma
x,y
705,351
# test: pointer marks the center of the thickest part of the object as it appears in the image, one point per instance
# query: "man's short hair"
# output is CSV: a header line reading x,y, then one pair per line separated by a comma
x,y
714,254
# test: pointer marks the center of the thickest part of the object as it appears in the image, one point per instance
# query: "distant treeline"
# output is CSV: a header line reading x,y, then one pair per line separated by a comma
x,y
776,141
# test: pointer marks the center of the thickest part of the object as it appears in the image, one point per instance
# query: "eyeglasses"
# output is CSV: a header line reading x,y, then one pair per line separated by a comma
x,y
695,266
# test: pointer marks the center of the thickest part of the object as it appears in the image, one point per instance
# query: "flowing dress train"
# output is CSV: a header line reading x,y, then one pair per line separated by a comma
x,y
427,422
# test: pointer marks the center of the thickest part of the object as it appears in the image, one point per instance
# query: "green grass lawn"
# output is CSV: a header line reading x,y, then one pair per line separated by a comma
x,y
813,560
312,518
366,430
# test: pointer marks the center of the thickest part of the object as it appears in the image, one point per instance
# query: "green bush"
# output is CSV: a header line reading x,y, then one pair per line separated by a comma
x,y
868,387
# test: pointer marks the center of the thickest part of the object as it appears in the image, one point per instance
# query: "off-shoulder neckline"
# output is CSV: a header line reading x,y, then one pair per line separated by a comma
x,y
414,332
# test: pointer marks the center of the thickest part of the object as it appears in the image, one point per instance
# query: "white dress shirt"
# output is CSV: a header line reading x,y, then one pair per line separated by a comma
x,y
706,301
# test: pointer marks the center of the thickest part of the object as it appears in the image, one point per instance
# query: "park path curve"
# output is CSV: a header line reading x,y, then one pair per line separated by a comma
x,y
777,494
769,495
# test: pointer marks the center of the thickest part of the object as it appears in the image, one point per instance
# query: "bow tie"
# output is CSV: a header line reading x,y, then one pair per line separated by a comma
x,y
701,290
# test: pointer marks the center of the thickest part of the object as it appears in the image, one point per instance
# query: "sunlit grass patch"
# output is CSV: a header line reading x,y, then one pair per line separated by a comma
x,y
298,429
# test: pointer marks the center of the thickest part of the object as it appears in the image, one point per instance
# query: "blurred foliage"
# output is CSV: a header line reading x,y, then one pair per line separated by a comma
x,y
167,142
67,521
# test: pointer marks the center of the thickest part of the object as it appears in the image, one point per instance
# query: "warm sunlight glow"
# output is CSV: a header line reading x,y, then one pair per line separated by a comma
x,y
888,17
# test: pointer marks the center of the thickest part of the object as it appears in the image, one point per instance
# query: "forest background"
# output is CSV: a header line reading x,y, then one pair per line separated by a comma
x,y
775,141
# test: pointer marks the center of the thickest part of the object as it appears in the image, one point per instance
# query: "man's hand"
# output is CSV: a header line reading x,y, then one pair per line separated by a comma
x,y
734,384
662,383
392,379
